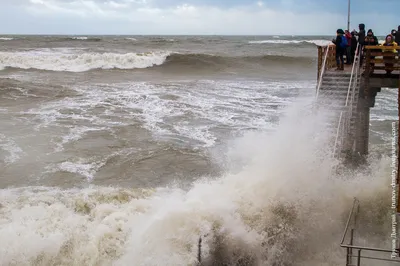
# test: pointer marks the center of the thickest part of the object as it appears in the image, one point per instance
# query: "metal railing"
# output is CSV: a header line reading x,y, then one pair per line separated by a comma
x,y
351,247
322,72
346,115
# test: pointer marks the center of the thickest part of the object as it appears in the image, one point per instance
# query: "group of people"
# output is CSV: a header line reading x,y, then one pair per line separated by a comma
x,y
346,43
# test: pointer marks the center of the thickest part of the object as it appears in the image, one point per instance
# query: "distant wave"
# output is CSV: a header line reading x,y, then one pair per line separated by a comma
x,y
73,38
6,39
208,60
84,38
80,62
79,38
315,42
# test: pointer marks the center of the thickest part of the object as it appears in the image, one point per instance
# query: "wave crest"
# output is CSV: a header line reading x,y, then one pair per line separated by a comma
x,y
292,42
80,62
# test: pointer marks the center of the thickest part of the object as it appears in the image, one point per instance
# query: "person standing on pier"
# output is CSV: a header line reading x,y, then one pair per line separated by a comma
x,y
348,48
389,55
353,46
361,35
341,45
369,40
397,38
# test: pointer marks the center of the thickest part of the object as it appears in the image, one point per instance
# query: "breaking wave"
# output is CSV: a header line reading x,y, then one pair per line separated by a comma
x,y
283,205
80,62
297,42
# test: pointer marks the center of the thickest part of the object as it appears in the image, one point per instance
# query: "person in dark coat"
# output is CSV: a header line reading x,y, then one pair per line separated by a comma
x,y
348,48
361,35
397,38
369,40
340,49
353,46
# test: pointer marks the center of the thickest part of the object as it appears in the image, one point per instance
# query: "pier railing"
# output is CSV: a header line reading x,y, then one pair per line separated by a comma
x,y
344,125
377,60
326,58
382,59
354,253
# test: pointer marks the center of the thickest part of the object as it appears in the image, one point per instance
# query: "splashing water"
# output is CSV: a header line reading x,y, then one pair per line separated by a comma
x,y
285,206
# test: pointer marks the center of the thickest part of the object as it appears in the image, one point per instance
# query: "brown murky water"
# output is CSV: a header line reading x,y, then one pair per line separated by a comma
x,y
116,151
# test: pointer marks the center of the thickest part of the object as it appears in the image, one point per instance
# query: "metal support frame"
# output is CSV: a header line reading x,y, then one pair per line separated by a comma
x,y
343,127
351,247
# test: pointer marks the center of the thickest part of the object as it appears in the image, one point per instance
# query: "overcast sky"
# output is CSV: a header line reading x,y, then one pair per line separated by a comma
x,y
230,17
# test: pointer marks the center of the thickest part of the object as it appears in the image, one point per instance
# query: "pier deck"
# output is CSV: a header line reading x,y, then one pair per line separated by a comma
x,y
357,86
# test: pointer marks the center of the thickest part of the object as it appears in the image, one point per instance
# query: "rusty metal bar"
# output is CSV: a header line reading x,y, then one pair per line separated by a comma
x,y
374,258
367,248
348,220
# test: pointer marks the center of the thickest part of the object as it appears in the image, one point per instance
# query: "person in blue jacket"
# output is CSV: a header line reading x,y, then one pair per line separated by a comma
x,y
341,45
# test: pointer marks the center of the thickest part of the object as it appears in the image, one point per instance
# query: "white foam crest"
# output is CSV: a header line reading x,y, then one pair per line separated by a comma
x,y
316,42
9,146
75,134
131,39
79,62
79,38
190,111
6,39
80,167
286,196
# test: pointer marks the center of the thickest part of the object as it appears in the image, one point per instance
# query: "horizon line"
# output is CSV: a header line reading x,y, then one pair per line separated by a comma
x,y
83,35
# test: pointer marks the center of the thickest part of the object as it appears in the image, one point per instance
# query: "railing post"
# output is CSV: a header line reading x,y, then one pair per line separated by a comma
x,y
368,62
359,258
320,55
398,159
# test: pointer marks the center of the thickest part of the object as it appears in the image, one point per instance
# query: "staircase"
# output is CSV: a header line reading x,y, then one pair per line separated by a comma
x,y
337,97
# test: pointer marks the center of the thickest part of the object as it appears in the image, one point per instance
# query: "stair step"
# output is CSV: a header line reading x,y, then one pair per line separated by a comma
x,y
339,79
330,97
335,87
336,82
327,104
334,92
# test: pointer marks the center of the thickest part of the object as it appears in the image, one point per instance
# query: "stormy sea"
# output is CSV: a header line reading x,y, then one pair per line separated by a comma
x,y
126,150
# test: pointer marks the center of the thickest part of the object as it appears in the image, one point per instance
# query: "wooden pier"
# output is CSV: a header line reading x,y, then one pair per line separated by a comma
x,y
360,88
348,95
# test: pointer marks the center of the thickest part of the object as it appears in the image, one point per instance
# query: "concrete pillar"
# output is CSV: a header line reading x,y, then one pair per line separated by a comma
x,y
362,127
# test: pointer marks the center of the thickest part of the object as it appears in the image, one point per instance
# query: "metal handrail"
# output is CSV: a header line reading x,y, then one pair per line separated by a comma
x,y
322,71
352,86
356,203
353,216
337,134
354,78
352,73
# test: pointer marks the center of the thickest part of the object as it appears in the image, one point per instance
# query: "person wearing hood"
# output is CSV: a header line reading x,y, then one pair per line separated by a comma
x,y
393,33
348,48
353,46
397,37
360,34
369,40
341,44
389,55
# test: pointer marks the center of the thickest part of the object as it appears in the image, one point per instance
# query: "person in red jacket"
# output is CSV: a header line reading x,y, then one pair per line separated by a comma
x,y
348,48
